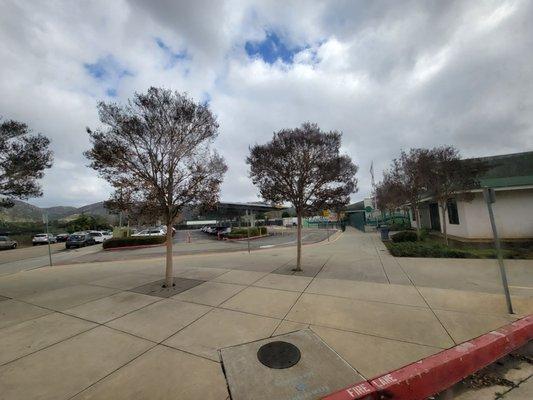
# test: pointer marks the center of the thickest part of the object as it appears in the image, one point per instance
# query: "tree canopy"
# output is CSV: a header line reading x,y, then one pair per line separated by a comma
x,y
303,166
23,159
439,173
156,153
449,175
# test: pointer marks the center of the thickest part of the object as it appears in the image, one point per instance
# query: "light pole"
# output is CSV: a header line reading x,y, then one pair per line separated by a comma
x,y
45,220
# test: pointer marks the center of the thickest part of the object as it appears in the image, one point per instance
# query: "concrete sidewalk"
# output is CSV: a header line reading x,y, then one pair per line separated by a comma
x,y
80,332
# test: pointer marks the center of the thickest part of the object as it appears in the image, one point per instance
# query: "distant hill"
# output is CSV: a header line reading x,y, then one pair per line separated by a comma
x,y
24,212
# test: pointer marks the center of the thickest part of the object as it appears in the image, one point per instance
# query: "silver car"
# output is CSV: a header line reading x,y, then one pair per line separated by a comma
x,y
7,243
43,238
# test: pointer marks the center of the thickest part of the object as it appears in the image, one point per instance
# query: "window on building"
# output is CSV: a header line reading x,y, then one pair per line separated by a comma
x,y
453,215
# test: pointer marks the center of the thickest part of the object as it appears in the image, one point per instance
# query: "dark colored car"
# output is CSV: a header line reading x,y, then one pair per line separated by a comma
x,y
62,237
7,243
81,239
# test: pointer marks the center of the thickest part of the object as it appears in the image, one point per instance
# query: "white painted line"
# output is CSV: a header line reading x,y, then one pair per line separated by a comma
x,y
266,246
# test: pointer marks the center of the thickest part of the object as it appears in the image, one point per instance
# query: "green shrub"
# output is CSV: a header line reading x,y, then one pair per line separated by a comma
x,y
133,241
404,236
239,233
424,234
422,249
399,226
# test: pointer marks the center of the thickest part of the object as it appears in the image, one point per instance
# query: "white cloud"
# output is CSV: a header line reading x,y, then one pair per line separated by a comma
x,y
390,75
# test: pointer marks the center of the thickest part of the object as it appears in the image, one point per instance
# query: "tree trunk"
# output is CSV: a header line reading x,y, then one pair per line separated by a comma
x,y
169,281
299,243
444,228
417,211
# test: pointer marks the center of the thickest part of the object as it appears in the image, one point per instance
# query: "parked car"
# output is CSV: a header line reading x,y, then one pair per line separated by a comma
x,y
43,238
7,243
224,230
107,234
62,237
151,232
220,230
79,239
98,236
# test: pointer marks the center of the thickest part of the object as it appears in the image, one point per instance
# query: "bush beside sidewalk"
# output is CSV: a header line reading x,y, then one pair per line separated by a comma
x,y
408,244
134,241
242,233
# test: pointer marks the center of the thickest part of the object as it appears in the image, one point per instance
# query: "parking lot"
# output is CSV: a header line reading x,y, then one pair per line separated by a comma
x,y
185,242
202,243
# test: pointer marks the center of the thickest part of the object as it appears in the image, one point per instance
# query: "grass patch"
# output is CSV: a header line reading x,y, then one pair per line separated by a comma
x,y
133,241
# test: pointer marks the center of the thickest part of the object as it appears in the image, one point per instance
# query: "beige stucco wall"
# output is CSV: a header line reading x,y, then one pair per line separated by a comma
x,y
513,212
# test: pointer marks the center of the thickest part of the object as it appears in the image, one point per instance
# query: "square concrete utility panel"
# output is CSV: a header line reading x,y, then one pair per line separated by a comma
x,y
303,367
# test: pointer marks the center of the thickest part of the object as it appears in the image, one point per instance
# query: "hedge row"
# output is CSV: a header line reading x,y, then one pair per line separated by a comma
x,y
404,236
133,241
239,233
422,249
398,226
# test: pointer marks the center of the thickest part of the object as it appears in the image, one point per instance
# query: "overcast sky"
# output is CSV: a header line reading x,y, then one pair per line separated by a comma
x,y
389,74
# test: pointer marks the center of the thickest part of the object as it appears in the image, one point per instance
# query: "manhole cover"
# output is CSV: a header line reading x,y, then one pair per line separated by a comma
x,y
278,355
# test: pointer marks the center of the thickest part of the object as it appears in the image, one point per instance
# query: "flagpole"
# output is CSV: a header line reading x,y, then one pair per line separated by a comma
x,y
373,185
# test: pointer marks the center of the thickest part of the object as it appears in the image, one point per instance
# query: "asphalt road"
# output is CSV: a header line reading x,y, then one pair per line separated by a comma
x,y
185,242
203,243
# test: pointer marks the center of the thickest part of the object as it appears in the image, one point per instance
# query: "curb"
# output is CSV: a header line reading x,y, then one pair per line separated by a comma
x,y
246,238
433,374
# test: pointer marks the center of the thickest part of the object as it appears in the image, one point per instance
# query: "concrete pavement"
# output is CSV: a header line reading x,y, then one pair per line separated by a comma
x,y
81,332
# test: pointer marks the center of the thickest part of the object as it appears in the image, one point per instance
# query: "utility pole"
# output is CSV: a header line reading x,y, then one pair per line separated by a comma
x,y
490,198
45,220
248,229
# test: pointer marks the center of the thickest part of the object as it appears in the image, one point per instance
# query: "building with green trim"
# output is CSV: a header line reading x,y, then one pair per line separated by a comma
x,y
511,176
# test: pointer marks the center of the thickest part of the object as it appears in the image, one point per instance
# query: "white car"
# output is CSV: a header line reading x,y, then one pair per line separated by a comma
x,y
98,236
107,234
151,232
43,238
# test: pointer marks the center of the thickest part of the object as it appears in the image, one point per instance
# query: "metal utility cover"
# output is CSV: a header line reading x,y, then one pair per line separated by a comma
x,y
279,355
319,371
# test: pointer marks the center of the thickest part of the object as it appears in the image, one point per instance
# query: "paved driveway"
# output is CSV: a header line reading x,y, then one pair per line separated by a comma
x,y
81,331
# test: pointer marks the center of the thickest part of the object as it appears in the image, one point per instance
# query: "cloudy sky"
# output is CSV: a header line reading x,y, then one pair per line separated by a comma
x,y
389,74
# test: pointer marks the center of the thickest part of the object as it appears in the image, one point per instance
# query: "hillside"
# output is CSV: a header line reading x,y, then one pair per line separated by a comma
x,y
24,212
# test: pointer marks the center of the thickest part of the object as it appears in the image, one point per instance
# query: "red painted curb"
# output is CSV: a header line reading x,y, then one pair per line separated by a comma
x,y
433,374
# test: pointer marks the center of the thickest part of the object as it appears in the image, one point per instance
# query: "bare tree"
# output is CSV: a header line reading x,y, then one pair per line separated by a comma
x,y
409,172
390,193
303,166
156,152
23,159
448,175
